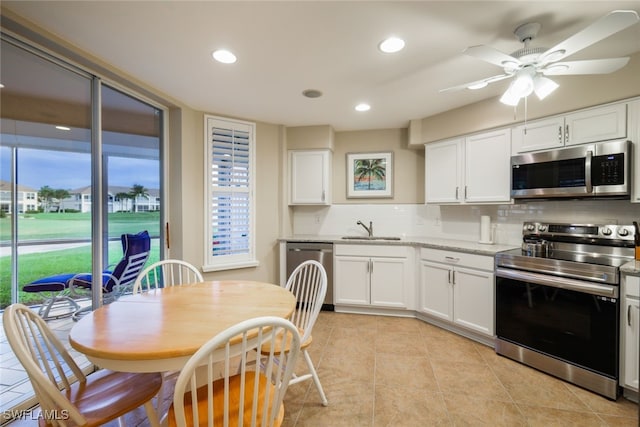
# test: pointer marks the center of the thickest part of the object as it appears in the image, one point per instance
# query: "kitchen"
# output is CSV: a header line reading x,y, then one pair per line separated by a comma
x,y
405,214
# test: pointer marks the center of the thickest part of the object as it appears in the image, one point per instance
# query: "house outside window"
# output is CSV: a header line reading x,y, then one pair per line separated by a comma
x,y
230,200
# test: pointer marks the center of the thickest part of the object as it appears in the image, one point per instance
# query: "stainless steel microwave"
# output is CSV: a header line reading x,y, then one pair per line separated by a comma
x,y
590,170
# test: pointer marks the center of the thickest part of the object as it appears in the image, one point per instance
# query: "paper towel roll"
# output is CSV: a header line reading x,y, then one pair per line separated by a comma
x,y
485,229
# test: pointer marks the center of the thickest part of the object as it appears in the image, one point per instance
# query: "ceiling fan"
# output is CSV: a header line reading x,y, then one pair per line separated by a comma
x,y
530,65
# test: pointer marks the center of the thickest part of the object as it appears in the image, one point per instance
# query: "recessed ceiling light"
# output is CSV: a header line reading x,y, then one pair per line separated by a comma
x,y
312,93
363,107
224,56
1,85
391,45
63,128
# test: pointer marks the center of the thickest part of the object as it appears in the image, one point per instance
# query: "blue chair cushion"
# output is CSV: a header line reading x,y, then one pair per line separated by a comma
x,y
55,283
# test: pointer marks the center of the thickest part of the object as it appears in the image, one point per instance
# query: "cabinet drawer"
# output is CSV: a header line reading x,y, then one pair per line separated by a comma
x,y
371,250
632,286
480,262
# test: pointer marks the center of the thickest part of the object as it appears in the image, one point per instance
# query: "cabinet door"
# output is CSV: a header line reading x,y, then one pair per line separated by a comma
x,y
631,331
388,281
443,171
538,135
309,177
436,296
473,299
352,280
488,167
596,124
634,135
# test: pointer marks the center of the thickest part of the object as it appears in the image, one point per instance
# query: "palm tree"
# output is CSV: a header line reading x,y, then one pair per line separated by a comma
x,y
60,195
123,196
45,195
137,191
371,169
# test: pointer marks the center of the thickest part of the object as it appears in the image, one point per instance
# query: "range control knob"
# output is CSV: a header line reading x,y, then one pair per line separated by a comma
x,y
623,232
530,227
606,231
542,227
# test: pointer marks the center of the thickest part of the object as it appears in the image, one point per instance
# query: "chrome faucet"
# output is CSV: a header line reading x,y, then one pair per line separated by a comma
x,y
369,229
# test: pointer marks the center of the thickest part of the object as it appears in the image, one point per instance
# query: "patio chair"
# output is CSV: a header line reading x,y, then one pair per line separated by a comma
x,y
92,400
115,282
220,385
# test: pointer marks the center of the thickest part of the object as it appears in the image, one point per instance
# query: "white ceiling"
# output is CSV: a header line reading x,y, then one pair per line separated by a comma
x,y
286,47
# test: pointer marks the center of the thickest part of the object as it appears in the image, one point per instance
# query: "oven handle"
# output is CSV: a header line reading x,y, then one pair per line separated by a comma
x,y
559,282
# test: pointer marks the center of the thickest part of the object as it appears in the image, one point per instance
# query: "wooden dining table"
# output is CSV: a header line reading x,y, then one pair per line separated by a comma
x,y
161,329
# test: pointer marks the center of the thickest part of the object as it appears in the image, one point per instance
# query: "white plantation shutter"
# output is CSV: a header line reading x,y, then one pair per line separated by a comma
x,y
230,201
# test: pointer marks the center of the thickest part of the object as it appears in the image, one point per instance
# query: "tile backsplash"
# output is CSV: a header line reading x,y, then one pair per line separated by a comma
x,y
456,222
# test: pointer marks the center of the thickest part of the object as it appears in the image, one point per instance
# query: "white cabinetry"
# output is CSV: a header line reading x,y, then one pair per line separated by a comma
x,y
590,125
373,275
634,136
630,331
458,288
474,169
310,177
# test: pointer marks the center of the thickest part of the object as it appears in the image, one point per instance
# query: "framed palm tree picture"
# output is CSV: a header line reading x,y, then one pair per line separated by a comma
x,y
369,175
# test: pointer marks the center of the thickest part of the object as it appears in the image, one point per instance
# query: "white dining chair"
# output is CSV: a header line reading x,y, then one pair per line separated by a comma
x,y
167,272
161,274
91,400
222,385
308,282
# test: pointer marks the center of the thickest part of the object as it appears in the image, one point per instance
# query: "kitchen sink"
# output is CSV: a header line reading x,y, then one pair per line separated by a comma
x,y
370,238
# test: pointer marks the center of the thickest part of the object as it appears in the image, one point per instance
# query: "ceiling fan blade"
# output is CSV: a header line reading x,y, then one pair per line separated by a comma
x,y
604,27
590,66
492,56
478,82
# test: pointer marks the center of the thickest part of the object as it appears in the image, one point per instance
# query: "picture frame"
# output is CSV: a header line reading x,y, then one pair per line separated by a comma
x,y
370,175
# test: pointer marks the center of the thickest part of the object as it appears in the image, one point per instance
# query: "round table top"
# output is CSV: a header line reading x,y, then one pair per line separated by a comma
x,y
160,329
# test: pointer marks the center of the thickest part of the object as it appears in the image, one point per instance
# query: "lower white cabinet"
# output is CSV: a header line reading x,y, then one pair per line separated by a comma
x,y
372,275
630,331
458,288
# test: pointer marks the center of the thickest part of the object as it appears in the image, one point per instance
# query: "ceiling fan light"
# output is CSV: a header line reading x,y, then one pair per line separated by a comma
x,y
510,97
543,86
523,84
478,85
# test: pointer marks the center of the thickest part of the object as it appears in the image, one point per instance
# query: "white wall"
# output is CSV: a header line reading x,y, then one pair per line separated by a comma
x,y
456,222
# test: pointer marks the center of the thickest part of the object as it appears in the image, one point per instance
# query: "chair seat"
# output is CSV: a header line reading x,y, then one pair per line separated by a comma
x,y
108,395
266,348
234,399
55,283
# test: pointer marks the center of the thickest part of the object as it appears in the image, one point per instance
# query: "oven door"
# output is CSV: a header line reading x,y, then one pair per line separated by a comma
x,y
571,320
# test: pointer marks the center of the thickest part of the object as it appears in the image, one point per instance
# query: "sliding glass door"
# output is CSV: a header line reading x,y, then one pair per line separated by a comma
x,y
80,165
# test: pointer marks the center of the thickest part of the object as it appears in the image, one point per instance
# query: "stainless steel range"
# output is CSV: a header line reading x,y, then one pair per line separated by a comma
x,y
557,301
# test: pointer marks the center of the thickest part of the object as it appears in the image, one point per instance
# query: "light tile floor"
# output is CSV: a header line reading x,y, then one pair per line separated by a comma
x,y
385,371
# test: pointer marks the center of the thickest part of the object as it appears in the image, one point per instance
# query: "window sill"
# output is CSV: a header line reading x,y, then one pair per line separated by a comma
x,y
230,266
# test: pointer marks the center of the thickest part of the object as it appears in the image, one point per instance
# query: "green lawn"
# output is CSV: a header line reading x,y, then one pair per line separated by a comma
x,y
76,260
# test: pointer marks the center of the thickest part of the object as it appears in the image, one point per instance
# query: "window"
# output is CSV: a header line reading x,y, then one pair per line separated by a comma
x,y
230,209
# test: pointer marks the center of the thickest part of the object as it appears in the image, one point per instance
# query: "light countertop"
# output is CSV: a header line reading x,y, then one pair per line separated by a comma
x,y
422,242
632,268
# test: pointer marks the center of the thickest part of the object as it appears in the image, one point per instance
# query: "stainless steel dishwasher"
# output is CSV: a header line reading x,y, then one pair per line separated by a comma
x,y
298,252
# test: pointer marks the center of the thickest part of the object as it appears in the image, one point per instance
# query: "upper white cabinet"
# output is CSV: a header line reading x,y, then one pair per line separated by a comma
x,y
474,169
310,177
634,136
591,125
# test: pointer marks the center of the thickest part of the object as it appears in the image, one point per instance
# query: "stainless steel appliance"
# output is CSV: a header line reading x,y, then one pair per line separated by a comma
x,y
298,252
557,309
591,170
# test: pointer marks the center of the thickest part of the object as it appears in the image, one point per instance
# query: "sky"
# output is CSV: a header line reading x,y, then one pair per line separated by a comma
x,y
68,170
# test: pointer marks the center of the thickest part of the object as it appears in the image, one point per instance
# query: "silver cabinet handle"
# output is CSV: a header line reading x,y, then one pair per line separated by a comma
x,y
465,192
560,134
449,276
323,196
629,315
566,134
371,261
451,259
453,273
456,193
